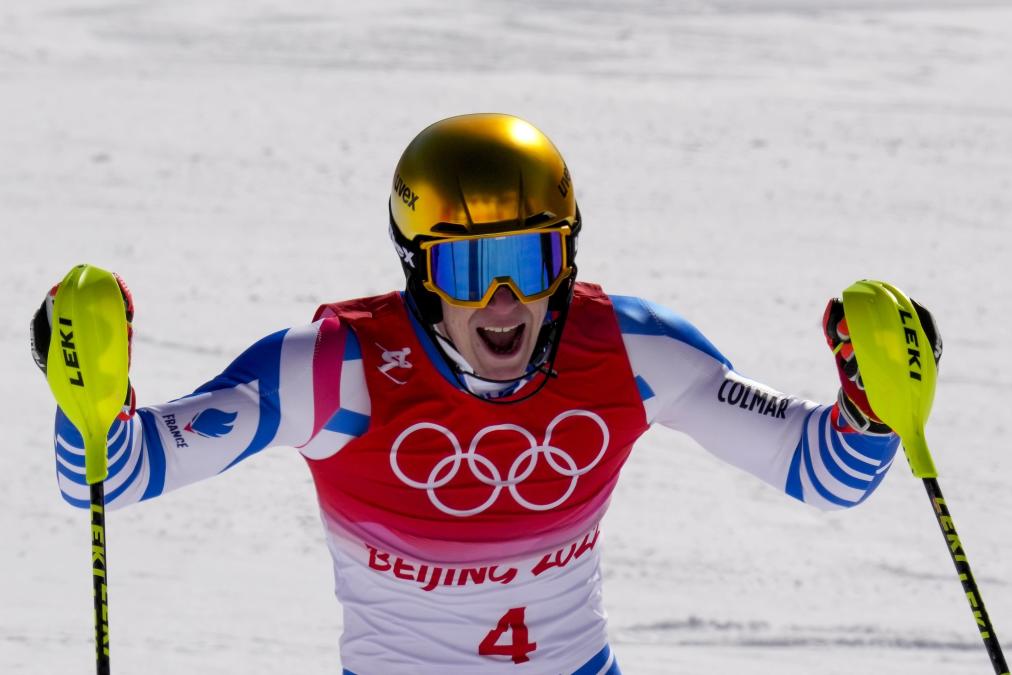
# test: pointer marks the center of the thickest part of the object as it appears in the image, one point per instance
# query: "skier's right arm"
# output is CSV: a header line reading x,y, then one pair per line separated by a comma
x,y
281,391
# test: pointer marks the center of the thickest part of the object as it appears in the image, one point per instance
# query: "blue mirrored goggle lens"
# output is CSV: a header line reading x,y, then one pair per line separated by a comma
x,y
465,268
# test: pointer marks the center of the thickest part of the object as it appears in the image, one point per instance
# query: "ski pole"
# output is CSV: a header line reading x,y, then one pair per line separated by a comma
x,y
87,370
897,366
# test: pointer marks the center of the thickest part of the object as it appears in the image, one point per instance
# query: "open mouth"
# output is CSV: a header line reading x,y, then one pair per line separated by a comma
x,y
504,340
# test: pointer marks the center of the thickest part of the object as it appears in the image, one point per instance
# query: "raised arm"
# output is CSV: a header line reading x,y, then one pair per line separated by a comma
x,y
283,390
803,448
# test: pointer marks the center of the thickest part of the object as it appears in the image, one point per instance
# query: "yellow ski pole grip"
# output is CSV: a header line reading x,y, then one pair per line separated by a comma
x,y
897,366
896,363
88,361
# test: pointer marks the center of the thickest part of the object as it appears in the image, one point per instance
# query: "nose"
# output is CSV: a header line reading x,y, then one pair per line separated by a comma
x,y
503,299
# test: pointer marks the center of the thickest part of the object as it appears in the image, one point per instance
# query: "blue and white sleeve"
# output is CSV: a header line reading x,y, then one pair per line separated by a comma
x,y
795,445
284,390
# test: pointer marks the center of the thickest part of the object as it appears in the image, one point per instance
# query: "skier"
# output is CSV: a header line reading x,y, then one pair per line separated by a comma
x,y
465,435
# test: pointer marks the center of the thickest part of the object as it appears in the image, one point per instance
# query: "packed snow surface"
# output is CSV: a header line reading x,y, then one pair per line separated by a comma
x,y
738,161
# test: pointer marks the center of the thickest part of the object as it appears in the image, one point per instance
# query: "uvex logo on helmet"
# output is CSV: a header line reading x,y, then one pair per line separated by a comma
x,y
405,254
566,184
407,195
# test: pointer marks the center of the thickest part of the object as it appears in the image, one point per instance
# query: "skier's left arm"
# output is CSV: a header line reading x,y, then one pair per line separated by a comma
x,y
830,456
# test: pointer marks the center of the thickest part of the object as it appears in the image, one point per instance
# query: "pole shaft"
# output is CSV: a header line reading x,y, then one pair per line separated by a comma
x,y
99,576
955,547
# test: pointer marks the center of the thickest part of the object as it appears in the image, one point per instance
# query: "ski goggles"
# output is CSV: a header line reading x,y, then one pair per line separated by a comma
x,y
467,271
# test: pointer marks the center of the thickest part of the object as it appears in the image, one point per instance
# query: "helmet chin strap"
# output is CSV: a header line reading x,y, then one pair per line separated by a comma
x,y
542,360
536,363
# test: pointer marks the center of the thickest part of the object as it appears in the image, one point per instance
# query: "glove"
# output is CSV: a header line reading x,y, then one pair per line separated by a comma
x,y
853,400
41,329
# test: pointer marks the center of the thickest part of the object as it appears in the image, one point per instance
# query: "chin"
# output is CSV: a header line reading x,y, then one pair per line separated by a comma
x,y
499,367
502,371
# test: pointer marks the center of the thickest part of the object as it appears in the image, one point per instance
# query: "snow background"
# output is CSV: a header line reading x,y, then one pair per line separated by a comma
x,y
739,161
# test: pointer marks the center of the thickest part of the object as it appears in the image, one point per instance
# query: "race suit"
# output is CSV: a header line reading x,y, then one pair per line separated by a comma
x,y
464,532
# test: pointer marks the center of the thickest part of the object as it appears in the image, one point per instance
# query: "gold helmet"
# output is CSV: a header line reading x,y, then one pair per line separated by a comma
x,y
476,177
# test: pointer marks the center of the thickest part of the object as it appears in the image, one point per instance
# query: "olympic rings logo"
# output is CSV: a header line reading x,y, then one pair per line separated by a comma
x,y
488,473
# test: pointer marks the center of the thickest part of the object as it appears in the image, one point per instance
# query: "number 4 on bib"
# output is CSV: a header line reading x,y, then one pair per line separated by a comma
x,y
519,647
